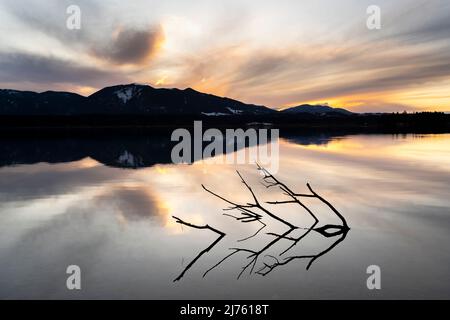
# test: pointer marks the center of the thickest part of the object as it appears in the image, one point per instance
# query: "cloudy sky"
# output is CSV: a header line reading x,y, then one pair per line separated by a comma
x,y
276,53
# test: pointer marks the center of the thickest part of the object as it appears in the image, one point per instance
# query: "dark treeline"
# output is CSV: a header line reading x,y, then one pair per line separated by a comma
x,y
138,147
394,122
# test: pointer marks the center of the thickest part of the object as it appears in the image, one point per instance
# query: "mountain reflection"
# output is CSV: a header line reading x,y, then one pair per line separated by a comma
x,y
117,224
119,151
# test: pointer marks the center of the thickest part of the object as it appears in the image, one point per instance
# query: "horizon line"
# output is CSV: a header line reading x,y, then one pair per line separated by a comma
x,y
279,109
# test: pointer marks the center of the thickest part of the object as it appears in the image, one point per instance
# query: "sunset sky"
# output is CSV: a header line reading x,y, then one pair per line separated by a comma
x,y
275,53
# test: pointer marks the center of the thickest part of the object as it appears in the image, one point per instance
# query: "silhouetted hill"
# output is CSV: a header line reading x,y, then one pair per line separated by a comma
x,y
316,109
138,106
142,99
132,99
14,102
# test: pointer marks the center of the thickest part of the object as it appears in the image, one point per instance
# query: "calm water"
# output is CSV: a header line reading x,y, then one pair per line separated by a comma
x,y
84,202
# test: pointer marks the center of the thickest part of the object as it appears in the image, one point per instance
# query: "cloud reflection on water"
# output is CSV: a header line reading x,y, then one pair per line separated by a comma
x,y
116,222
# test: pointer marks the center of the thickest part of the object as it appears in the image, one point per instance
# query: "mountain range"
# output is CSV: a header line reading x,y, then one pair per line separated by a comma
x,y
135,99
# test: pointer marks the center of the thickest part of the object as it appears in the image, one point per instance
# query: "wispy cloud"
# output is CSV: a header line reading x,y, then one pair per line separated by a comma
x,y
48,70
275,53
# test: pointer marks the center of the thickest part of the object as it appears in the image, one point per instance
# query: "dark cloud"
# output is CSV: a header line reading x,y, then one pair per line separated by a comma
x,y
25,67
126,46
129,46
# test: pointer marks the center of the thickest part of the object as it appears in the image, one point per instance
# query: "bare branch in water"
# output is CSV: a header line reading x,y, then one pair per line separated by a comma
x,y
246,208
344,222
255,212
220,233
266,269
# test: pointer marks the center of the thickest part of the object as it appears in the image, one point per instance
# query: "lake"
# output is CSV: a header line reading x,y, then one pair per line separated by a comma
x,y
107,206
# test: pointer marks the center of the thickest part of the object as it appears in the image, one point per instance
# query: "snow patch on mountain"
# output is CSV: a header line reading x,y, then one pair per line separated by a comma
x,y
129,160
126,94
234,111
8,91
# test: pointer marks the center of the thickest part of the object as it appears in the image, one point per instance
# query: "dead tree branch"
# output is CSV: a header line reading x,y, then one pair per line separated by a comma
x,y
248,209
266,269
221,236
254,211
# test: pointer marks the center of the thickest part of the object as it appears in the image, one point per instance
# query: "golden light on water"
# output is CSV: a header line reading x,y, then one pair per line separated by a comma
x,y
401,147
